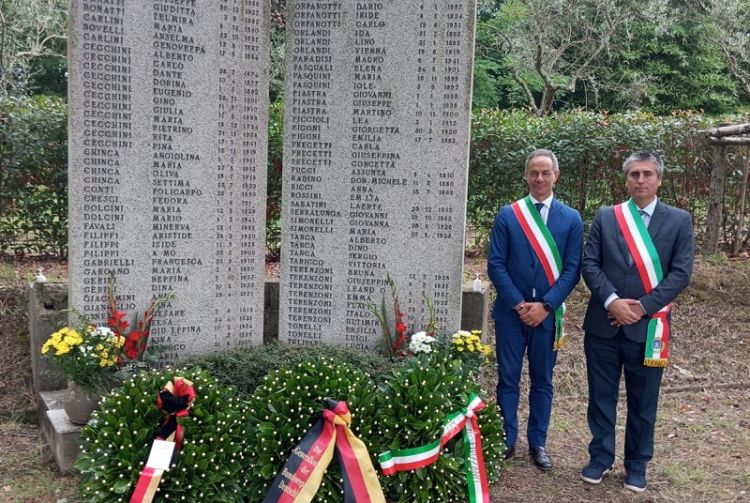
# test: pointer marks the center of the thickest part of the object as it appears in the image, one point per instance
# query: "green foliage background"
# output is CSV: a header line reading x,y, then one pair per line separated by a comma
x,y
590,147
33,175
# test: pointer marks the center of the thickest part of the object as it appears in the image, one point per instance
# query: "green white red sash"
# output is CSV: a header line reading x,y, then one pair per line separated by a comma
x,y
302,474
463,420
546,251
648,264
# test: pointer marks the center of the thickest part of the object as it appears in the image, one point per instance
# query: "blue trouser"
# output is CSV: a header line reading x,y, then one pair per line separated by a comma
x,y
605,361
513,340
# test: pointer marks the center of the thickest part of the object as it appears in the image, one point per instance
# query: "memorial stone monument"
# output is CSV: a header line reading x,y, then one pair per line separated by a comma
x,y
167,156
377,117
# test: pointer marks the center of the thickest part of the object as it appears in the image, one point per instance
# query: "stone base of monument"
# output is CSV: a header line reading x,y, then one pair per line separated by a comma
x,y
59,433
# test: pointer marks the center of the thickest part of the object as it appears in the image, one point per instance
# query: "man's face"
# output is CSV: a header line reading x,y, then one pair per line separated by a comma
x,y
642,182
541,177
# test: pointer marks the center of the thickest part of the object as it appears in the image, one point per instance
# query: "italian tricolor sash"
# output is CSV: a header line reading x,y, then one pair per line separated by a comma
x,y
303,472
464,420
647,261
546,251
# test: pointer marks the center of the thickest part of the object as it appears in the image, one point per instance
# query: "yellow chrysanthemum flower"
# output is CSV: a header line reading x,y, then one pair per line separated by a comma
x,y
62,349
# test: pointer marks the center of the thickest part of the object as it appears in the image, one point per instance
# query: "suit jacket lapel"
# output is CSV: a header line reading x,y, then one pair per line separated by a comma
x,y
657,220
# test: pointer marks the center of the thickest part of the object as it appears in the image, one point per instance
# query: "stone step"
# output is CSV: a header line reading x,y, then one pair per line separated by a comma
x,y
62,437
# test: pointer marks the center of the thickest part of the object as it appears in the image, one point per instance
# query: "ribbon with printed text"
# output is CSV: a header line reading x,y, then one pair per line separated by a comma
x,y
302,474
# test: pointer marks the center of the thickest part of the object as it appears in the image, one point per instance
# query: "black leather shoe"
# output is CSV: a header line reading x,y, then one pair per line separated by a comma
x,y
541,459
509,452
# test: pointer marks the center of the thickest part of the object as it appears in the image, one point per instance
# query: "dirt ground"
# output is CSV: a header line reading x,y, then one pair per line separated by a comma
x,y
703,430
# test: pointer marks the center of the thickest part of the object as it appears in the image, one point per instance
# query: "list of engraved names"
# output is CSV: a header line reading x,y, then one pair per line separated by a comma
x,y
376,149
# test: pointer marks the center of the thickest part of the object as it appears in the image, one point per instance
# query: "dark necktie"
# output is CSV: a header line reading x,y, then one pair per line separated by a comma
x,y
643,215
539,207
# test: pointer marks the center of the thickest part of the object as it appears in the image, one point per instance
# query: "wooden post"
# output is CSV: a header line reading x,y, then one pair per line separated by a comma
x,y
715,200
741,205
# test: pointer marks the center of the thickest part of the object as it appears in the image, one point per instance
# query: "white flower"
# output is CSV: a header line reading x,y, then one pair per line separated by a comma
x,y
421,343
102,332
461,333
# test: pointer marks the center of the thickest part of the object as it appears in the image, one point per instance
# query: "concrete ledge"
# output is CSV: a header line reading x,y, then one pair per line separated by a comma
x,y
62,437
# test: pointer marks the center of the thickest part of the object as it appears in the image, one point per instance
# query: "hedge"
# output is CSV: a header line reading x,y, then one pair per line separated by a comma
x,y
590,146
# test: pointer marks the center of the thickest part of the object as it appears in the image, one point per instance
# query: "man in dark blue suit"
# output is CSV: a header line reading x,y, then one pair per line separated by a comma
x,y
534,263
638,258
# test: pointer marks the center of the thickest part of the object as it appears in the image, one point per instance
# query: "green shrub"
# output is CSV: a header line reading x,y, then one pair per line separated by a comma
x,y
590,147
245,368
411,408
212,465
284,408
33,175
273,187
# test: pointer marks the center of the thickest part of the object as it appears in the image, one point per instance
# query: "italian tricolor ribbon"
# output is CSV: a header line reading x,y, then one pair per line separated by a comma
x,y
546,251
174,400
302,473
648,264
463,420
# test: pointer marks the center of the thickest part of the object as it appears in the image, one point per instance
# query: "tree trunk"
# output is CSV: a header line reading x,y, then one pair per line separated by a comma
x,y
715,200
741,205
582,184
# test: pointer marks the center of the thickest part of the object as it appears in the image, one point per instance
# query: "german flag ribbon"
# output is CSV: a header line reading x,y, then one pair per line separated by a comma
x,y
174,400
461,421
300,478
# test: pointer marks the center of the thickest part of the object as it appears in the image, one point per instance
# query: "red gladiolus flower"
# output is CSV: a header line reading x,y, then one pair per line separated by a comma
x,y
117,321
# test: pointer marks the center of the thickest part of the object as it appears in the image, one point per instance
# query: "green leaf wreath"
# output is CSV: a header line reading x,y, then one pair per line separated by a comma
x,y
411,407
282,410
212,465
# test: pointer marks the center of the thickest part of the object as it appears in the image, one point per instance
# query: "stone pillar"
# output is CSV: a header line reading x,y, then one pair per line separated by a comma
x,y
168,141
376,143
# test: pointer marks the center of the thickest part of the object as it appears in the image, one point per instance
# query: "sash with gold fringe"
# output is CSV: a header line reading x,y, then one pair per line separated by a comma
x,y
174,400
545,248
648,264
300,478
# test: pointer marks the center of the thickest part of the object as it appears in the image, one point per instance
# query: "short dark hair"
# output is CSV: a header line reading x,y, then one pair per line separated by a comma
x,y
543,152
644,155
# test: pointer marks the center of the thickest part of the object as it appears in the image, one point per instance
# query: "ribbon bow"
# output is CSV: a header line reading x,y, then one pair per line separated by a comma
x,y
300,478
174,400
460,421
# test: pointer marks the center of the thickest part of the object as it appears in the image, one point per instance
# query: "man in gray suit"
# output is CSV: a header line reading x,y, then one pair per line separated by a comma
x,y
637,259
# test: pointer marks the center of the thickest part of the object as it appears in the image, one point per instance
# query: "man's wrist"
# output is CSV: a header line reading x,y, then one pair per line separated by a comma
x,y
613,297
547,307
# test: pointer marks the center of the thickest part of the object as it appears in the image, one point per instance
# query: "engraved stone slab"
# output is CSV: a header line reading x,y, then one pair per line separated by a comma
x,y
376,141
167,156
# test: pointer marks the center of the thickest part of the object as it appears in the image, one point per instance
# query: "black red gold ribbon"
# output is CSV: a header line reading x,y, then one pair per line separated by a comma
x,y
174,400
299,480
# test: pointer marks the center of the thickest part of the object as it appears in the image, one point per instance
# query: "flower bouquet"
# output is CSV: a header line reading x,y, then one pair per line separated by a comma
x,y
96,357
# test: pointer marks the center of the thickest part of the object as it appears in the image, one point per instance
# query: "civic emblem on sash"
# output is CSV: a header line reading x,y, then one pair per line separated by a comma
x,y
657,344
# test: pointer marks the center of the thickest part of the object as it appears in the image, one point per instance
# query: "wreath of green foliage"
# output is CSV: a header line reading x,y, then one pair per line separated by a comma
x,y
286,405
211,466
245,368
411,407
